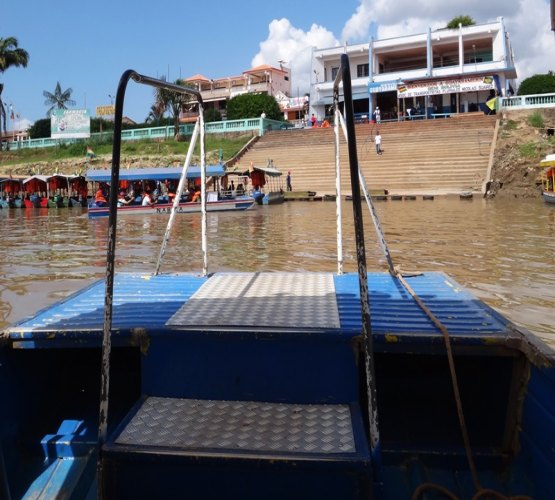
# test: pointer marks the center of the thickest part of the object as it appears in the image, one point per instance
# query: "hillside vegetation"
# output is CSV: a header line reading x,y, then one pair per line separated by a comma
x,y
522,142
72,159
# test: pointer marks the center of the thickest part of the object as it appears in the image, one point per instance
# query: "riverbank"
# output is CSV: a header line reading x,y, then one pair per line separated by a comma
x,y
520,147
522,142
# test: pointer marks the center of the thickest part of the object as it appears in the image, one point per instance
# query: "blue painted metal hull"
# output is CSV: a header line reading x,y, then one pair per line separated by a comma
x,y
49,386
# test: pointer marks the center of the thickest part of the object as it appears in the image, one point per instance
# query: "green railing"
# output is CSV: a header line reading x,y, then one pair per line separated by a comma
x,y
259,125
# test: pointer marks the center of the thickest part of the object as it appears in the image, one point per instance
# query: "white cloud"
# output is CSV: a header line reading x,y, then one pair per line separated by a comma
x,y
293,45
23,123
526,20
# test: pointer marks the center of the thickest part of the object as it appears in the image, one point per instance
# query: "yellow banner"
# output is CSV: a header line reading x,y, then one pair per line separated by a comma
x,y
110,109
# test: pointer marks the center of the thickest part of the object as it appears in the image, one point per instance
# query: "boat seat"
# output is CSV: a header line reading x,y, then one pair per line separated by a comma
x,y
167,441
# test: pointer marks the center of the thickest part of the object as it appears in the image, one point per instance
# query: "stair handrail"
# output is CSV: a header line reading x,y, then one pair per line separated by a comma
x,y
344,76
396,273
111,245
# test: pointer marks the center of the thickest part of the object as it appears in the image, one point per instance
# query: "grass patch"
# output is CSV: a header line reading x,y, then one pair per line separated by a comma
x,y
536,120
510,125
528,150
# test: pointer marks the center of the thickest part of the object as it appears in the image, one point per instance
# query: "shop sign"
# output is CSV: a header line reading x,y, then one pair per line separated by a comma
x,y
389,86
470,84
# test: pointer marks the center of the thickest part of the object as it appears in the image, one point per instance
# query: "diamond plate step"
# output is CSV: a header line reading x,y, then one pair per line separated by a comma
x,y
240,426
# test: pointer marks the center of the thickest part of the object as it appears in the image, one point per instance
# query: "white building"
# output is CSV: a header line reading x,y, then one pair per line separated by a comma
x,y
441,71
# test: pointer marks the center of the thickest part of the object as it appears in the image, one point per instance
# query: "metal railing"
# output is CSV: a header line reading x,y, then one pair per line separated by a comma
x,y
527,101
257,125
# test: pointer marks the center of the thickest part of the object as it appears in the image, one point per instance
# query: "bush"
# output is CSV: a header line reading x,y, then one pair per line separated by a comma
x,y
40,129
538,84
536,120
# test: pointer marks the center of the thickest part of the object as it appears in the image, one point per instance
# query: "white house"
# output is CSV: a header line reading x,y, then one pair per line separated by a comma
x,y
432,73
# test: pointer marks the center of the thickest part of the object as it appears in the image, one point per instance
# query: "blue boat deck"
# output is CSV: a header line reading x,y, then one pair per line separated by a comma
x,y
267,303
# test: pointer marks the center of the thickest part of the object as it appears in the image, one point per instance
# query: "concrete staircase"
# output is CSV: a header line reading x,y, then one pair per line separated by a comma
x,y
420,157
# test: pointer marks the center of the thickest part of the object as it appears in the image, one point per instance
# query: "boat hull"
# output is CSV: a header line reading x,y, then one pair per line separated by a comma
x,y
242,203
549,197
248,372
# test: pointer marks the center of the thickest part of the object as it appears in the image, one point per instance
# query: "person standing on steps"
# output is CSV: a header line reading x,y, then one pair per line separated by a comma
x,y
378,115
288,180
378,141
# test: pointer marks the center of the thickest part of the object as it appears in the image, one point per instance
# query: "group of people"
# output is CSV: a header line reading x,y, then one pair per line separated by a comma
x,y
124,198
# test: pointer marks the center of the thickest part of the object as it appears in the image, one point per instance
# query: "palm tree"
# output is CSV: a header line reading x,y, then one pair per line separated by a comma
x,y
155,114
174,102
10,55
58,99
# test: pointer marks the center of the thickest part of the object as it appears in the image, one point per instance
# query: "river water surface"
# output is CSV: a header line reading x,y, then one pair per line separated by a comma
x,y
502,251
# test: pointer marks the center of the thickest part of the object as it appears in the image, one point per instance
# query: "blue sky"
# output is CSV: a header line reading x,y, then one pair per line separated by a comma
x,y
87,46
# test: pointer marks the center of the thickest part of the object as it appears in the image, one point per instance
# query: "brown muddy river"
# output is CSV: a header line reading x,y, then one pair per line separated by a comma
x,y
502,251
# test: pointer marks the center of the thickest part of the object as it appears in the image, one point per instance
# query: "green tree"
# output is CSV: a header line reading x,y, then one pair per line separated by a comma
x,y
173,102
40,129
538,84
59,99
252,106
10,55
464,20
212,115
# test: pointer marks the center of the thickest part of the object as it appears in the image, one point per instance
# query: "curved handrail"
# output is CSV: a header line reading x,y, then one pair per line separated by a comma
x,y
111,246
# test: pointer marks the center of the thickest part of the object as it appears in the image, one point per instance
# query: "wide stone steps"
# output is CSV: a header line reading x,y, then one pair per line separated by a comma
x,y
447,155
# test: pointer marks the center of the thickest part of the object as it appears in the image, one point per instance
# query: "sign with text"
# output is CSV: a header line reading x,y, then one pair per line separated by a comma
x,y
106,110
388,86
70,124
470,84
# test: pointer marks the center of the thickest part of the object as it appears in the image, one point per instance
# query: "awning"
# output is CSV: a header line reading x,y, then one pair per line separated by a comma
x,y
269,171
154,174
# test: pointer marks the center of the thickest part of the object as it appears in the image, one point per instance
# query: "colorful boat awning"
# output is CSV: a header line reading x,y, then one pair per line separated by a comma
x,y
155,174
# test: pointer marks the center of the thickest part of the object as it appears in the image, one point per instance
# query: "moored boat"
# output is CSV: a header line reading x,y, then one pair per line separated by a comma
x,y
266,185
135,183
248,385
11,192
36,188
548,178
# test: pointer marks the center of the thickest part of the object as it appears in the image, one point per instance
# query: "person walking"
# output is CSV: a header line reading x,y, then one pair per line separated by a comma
x,y
288,180
378,141
378,115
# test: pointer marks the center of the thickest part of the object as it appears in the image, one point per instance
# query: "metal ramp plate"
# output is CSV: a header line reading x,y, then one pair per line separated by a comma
x,y
240,426
262,300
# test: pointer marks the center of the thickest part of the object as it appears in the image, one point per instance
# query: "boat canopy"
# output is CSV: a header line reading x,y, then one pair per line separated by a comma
x,y
40,178
155,173
548,161
269,171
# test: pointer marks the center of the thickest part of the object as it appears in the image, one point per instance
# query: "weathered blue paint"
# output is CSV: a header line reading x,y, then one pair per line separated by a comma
x,y
147,301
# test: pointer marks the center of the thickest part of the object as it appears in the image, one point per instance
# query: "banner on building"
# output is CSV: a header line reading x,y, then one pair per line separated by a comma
x,y
106,110
389,86
470,84
70,124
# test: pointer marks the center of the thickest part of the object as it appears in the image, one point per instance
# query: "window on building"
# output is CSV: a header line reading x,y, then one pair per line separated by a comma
x,y
362,70
334,72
